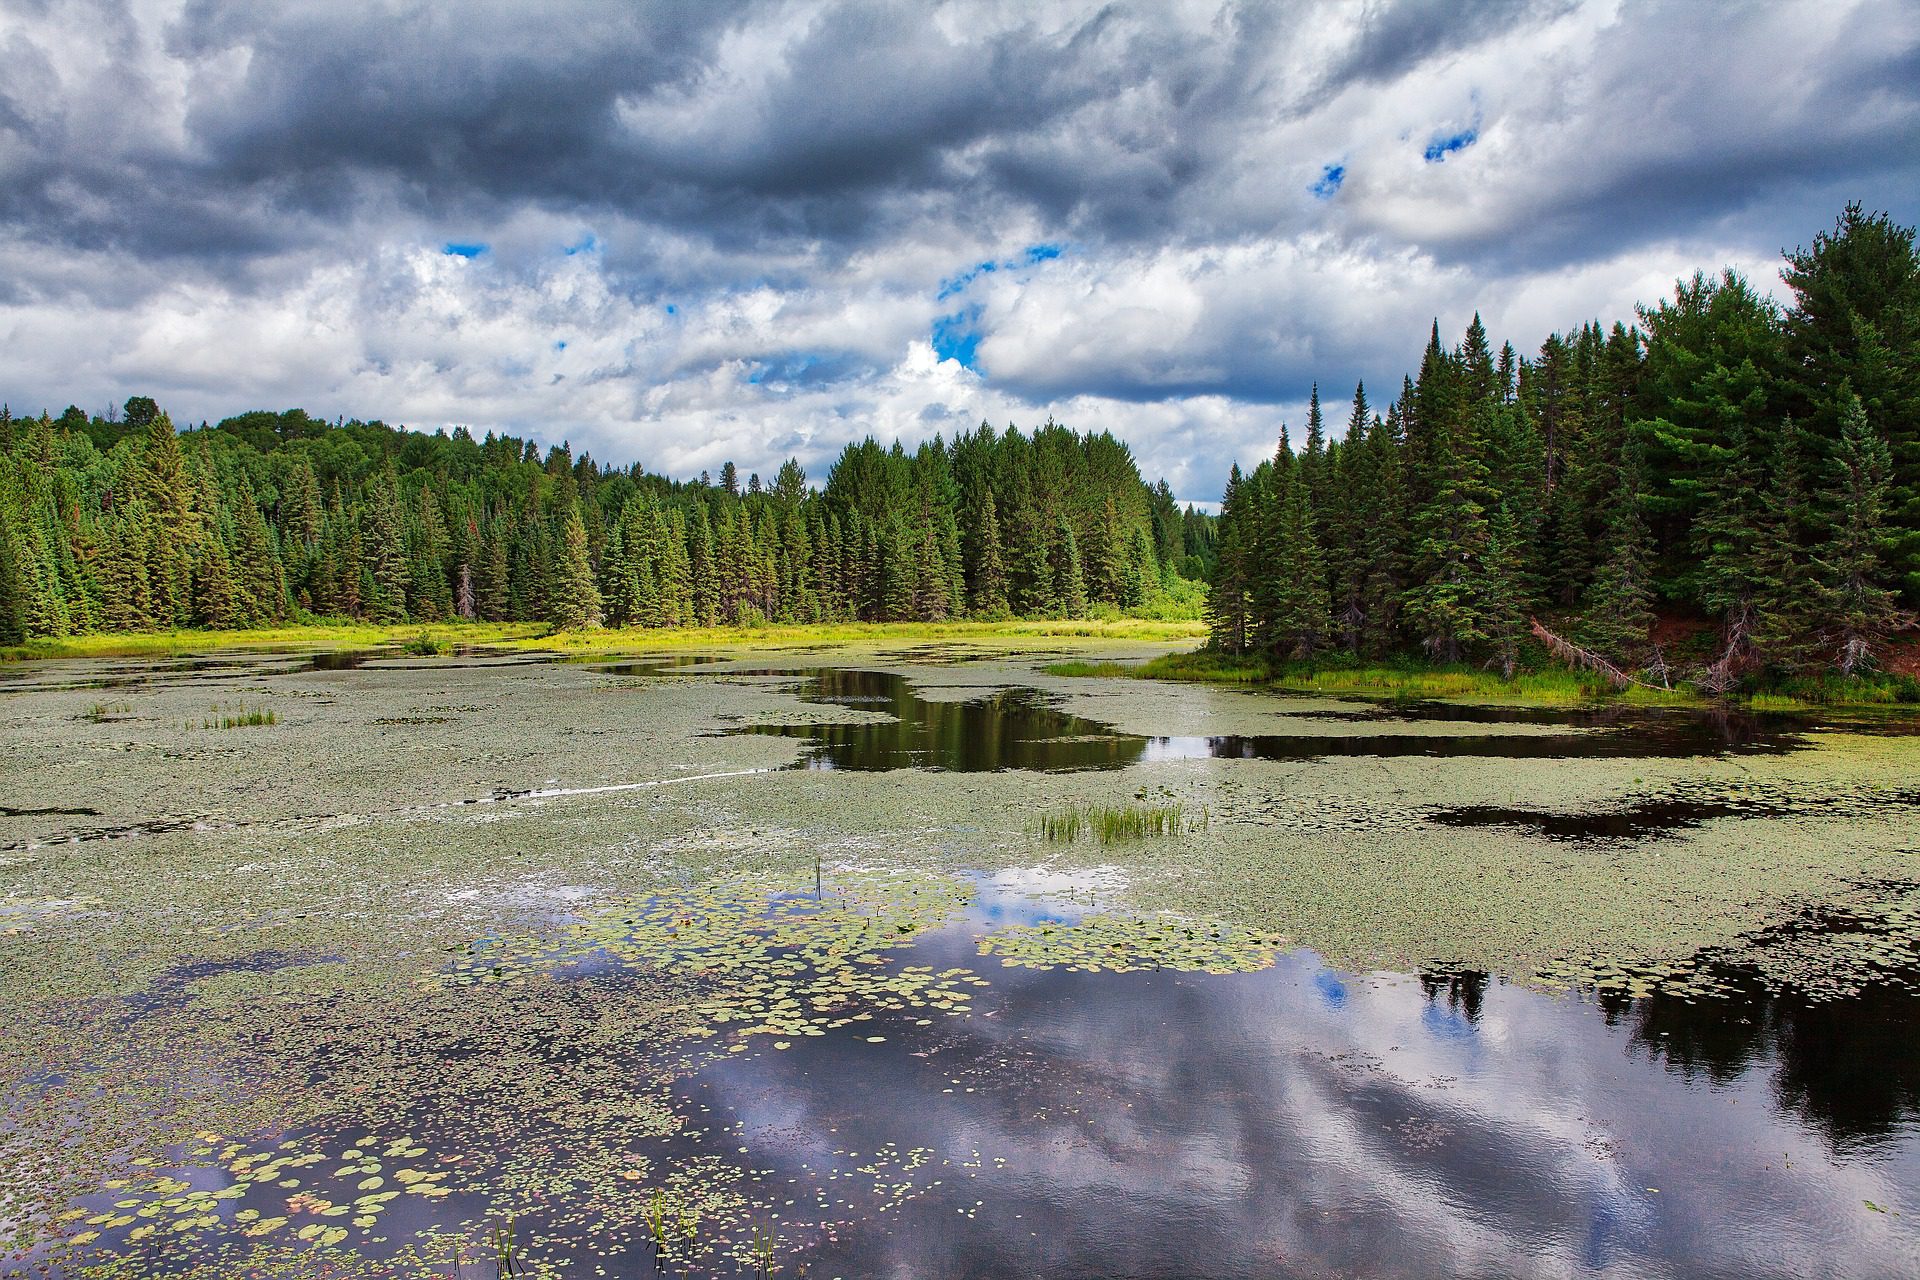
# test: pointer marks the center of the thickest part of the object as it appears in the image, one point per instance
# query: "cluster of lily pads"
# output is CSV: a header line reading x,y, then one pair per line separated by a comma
x,y
768,959
1124,944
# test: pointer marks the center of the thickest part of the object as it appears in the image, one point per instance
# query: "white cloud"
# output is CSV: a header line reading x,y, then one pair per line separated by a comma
x,y
190,208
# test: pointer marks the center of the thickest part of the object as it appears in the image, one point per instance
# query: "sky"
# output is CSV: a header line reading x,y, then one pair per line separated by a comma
x,y
677,234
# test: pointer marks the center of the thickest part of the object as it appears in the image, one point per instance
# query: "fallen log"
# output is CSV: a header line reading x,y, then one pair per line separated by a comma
x,y
1583,659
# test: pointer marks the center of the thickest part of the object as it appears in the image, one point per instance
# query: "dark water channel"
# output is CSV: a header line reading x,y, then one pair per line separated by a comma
x,y
1020,728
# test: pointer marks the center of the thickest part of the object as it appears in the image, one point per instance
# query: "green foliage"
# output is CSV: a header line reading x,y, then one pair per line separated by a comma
x,y
1110,824
269,517
1725,461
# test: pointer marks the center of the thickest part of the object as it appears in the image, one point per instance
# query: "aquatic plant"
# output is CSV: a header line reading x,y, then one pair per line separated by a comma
x,y
1111,823
1121,944
244,720
426,645
505,1257
763,1242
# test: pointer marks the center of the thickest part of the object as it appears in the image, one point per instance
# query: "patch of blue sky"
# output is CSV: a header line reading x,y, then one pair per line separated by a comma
x,y
1444,145
956,337
957,284
465,248
672,310
1043,252
1330,179
588,244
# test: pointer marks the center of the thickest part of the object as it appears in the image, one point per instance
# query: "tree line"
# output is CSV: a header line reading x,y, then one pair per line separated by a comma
x,y
118,522
1724,469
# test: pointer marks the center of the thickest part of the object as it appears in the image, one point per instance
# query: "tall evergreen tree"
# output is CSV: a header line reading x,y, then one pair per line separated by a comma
x,y
1853,560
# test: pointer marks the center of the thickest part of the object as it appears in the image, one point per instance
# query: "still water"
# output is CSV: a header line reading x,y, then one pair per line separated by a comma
x,y
1019,729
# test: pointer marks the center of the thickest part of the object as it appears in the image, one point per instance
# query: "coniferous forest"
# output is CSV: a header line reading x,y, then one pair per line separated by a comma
x,y
128,525
1724,490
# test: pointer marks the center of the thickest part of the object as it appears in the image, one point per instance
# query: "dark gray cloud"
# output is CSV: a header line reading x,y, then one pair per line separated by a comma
x,y
246,202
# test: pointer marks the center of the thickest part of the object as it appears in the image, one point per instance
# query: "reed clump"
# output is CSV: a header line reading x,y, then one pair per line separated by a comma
x,y
1111,823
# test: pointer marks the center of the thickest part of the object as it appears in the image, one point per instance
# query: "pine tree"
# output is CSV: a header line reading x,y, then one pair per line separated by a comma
x,y
1858,607
490,588
260,576
1503,591
1069,578
1854,330
990,575
217,596
386,575
1618,606
703,590
1230,590
1783,571
13,612
619,582
1030,564
573,602
1452,535
165,491
1294,612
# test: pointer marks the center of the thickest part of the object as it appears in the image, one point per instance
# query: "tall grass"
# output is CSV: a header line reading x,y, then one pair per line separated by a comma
x,y
1388,679
243,719
598,640
1110,823
1079,667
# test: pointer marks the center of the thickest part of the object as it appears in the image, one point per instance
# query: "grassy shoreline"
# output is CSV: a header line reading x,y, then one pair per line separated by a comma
x,y
440,636
1552,686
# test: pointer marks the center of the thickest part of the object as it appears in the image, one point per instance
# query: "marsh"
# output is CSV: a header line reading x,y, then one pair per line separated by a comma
x,y
662,955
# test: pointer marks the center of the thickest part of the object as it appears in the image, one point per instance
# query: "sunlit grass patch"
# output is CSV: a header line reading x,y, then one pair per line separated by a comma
x,y
1408,679
1081,667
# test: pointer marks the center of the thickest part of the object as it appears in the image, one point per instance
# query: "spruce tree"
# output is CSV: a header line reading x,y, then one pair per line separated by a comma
x,y
1618,604
1230,589
1854,331
1294,620
1858,607
990,575
384,553
573,602
1069,578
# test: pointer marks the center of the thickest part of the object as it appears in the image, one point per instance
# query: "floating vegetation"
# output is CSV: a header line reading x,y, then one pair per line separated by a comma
x,y
426,645
1122,944
1110,823
571,1000
1827,954
771,960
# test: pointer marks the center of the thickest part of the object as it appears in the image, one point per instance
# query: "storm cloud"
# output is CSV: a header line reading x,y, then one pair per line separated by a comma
x,y
682,233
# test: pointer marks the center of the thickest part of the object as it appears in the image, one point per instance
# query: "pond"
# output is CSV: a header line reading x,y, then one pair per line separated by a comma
x,y
745,965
